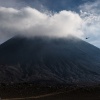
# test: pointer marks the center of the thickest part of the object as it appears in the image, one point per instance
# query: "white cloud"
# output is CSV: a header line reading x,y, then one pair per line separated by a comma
x,y
90,14
31,22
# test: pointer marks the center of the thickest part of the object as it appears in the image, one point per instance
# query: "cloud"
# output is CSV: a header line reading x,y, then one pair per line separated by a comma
x,y
90,15
31,22
28,21
12,3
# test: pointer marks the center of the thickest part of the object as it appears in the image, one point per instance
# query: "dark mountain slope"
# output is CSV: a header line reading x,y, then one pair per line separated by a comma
x,y
43,59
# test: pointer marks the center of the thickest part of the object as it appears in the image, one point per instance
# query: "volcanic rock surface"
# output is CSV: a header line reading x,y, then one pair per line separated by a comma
x,y
52,60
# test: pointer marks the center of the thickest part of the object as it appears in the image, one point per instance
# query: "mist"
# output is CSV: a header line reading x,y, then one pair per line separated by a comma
x,y
31,22
28,21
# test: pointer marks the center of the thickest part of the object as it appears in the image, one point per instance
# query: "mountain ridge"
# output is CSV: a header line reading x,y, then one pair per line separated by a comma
x,y
69,60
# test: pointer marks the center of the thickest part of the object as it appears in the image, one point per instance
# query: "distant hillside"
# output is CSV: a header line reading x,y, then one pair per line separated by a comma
x,y
51,60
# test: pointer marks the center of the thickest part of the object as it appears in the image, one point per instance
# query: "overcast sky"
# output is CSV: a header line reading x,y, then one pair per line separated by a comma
x,y
54,18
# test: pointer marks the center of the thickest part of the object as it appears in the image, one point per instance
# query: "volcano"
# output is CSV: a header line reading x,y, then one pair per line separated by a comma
x,y
52,60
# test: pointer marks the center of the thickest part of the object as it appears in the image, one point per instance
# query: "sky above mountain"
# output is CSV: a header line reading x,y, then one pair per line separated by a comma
x,y
54,18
